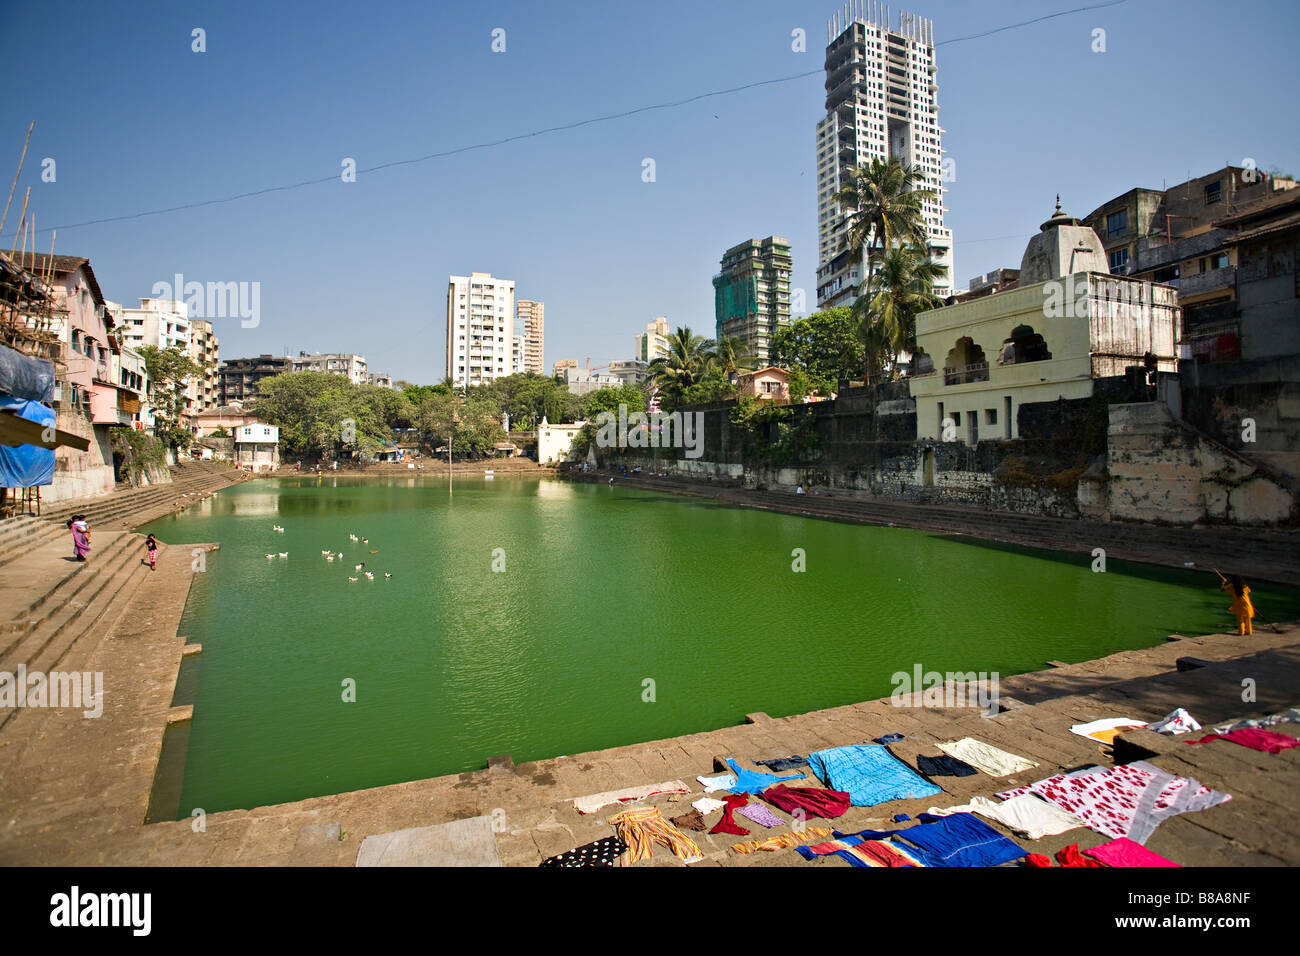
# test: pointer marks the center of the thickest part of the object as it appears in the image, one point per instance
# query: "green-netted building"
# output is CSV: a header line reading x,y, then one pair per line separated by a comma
x,y
752,295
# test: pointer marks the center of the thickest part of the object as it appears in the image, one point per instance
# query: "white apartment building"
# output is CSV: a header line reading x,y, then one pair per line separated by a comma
x,y
531,315
165,324
880,103
202,393
162,323
480,328
653,342
335,363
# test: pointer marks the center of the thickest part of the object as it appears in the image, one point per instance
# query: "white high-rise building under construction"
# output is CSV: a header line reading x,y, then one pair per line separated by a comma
x,y
880,103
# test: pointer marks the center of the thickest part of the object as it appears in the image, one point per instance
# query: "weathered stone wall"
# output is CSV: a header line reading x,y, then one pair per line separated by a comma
x,y
1103,457
81,474
1218,399
1163,472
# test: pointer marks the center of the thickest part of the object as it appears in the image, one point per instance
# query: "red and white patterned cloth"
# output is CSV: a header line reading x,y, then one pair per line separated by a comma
x,y
1127,801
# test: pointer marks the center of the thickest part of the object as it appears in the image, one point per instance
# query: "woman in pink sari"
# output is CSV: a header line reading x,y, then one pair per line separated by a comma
x,y
80,536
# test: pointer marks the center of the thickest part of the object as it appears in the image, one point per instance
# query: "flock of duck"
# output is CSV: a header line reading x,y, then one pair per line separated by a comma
x,y
333,555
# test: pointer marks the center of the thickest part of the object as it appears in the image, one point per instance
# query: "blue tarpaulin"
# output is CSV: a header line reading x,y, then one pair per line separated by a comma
x,y
25,377
26,465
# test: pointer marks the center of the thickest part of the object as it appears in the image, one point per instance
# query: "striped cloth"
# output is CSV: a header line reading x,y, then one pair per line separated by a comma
x,y
642,827
783,840
863,852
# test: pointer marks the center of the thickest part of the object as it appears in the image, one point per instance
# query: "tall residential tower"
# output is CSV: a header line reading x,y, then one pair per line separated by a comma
x,y
480,328
531,315
880,103
751,295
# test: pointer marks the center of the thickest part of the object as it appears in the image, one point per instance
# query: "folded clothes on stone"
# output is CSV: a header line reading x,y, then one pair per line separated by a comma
x,y
862,851
986,757
782,840
1027,814
761,815
723,781
728,823
597,800
961,840
1070,856
1129,800
777,764
1268,741
957,840
1124,852
808,801
1291,716
600,853
944,765
691,820
756,781
642,827
1106,730
869,774
1176,721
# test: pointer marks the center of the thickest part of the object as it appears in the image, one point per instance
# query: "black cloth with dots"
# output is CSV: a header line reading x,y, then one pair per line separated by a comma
x,y
601,853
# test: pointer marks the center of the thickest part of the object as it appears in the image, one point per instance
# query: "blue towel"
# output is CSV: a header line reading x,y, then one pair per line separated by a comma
x,y
961,840
869,775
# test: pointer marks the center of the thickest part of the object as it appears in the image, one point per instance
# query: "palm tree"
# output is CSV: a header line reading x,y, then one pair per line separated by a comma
x,y
886,205
689,357
732,356
901,286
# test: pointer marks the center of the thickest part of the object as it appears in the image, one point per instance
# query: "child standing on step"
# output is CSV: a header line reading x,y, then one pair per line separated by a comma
x,y
152,547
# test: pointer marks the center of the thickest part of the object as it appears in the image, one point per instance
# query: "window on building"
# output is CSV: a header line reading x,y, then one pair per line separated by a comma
x,y
1119,260
1117,224
1213,192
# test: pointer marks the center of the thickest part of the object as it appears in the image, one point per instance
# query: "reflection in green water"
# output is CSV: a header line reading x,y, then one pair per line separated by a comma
x,y
602,588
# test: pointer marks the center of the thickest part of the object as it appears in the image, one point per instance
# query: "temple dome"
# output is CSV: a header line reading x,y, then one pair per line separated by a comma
x,y
1062,247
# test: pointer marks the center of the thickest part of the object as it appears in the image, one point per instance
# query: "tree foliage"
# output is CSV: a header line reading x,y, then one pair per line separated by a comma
x,y
169,371
324,415
820,351
901,287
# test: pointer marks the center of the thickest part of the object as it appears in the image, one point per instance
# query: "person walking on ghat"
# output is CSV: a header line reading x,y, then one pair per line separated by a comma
x,y
80,537
1241,607
151,546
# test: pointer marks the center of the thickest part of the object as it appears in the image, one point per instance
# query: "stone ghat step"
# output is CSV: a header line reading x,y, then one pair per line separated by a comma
x,y
64,640
72,578
126,508
134,498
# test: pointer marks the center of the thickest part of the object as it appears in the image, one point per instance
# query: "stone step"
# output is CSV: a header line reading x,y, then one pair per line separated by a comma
x,y
110,591
54,599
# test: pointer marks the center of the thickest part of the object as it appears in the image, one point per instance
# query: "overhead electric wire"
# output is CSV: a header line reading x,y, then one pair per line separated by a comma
x,y
333,177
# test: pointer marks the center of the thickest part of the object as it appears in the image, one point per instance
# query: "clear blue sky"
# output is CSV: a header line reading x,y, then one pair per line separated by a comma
x,y
136,121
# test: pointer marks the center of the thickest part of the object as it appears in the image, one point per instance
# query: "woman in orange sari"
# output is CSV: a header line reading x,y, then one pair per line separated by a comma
x,y
1241,607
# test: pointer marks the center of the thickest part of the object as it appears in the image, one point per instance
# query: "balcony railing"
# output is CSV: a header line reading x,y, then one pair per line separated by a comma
x,y
965,374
